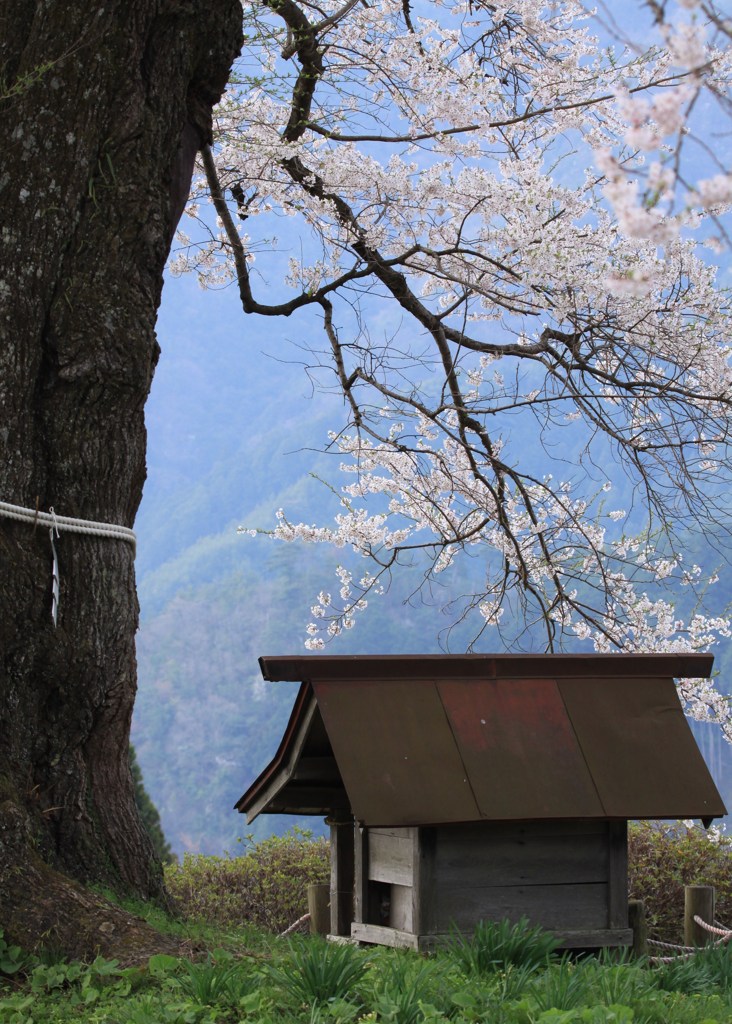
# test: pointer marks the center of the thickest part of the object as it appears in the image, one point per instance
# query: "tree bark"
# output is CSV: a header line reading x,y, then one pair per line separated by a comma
x,y
102,108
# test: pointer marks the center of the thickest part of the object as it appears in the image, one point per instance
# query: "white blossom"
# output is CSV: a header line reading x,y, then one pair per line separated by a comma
x,y
498,228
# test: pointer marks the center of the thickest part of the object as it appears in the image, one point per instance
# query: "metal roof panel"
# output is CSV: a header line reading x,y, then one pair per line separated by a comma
x,y
442,738
396,752
519,749
640,749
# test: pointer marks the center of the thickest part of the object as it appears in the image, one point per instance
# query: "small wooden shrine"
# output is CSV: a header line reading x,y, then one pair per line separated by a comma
x,y
461,788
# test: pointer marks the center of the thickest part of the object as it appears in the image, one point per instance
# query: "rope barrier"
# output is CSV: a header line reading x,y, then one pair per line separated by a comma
x,y
724,933
294,926
57,523
55,576
671,959
670,945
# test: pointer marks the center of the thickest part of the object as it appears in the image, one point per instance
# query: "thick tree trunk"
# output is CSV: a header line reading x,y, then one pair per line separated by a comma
x,y
102,107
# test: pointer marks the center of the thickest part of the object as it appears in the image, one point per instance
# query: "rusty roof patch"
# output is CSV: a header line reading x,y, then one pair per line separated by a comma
x,y
520,749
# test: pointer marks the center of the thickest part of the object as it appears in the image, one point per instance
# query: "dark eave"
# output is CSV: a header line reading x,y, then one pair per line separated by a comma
x,y
303,776
484,666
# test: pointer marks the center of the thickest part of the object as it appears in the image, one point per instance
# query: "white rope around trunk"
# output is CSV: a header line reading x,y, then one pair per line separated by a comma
x,y
58,523
51,518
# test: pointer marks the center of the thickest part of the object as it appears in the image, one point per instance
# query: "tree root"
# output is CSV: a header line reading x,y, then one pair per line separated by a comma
x,y
42,908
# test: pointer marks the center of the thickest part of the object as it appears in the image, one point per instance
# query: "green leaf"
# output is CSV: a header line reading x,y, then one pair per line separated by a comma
x,y
554,1016
105,968
162,964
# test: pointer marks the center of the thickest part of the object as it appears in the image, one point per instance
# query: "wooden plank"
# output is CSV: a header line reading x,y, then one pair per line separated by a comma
x,y
344,668
596,938
617,880
390,856
526,829
400,908
396,833
698,902
639,926
317,769
384,936
423,875
319,908
479,858
341,877
279,771
295,798
573,907
361,873
301,735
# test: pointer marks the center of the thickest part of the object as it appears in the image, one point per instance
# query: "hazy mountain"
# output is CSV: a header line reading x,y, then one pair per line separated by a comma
x,y
234,434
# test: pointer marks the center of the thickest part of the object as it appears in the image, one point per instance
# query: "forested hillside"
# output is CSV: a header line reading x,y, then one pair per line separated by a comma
x,y
234,433
233,436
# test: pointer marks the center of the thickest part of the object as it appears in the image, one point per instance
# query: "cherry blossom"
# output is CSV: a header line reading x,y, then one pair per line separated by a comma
x,y
693,40
498,233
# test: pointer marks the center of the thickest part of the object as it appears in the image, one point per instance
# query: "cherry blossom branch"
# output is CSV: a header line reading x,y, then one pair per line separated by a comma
x,y
533,293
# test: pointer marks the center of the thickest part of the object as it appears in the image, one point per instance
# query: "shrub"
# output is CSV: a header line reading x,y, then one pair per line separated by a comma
x,y
664,858
266,887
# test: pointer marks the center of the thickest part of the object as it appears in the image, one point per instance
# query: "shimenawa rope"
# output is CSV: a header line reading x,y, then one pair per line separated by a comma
x,y
57,523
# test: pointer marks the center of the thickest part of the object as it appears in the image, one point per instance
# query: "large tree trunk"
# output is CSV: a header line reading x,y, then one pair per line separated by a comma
x,y
102,107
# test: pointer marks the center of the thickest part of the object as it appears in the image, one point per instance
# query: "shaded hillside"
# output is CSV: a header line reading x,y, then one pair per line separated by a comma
x,y
232,438
206,723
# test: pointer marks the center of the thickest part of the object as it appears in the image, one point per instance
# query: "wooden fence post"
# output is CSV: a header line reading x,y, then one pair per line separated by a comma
x,y
341,874
698,901
319,908
637,921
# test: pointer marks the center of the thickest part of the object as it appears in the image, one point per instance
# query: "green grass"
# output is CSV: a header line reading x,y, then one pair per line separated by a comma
x,y
251,977
231,910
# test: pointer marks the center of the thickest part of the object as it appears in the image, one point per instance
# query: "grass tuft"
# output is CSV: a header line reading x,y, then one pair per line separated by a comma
x,y
496,945
318,971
